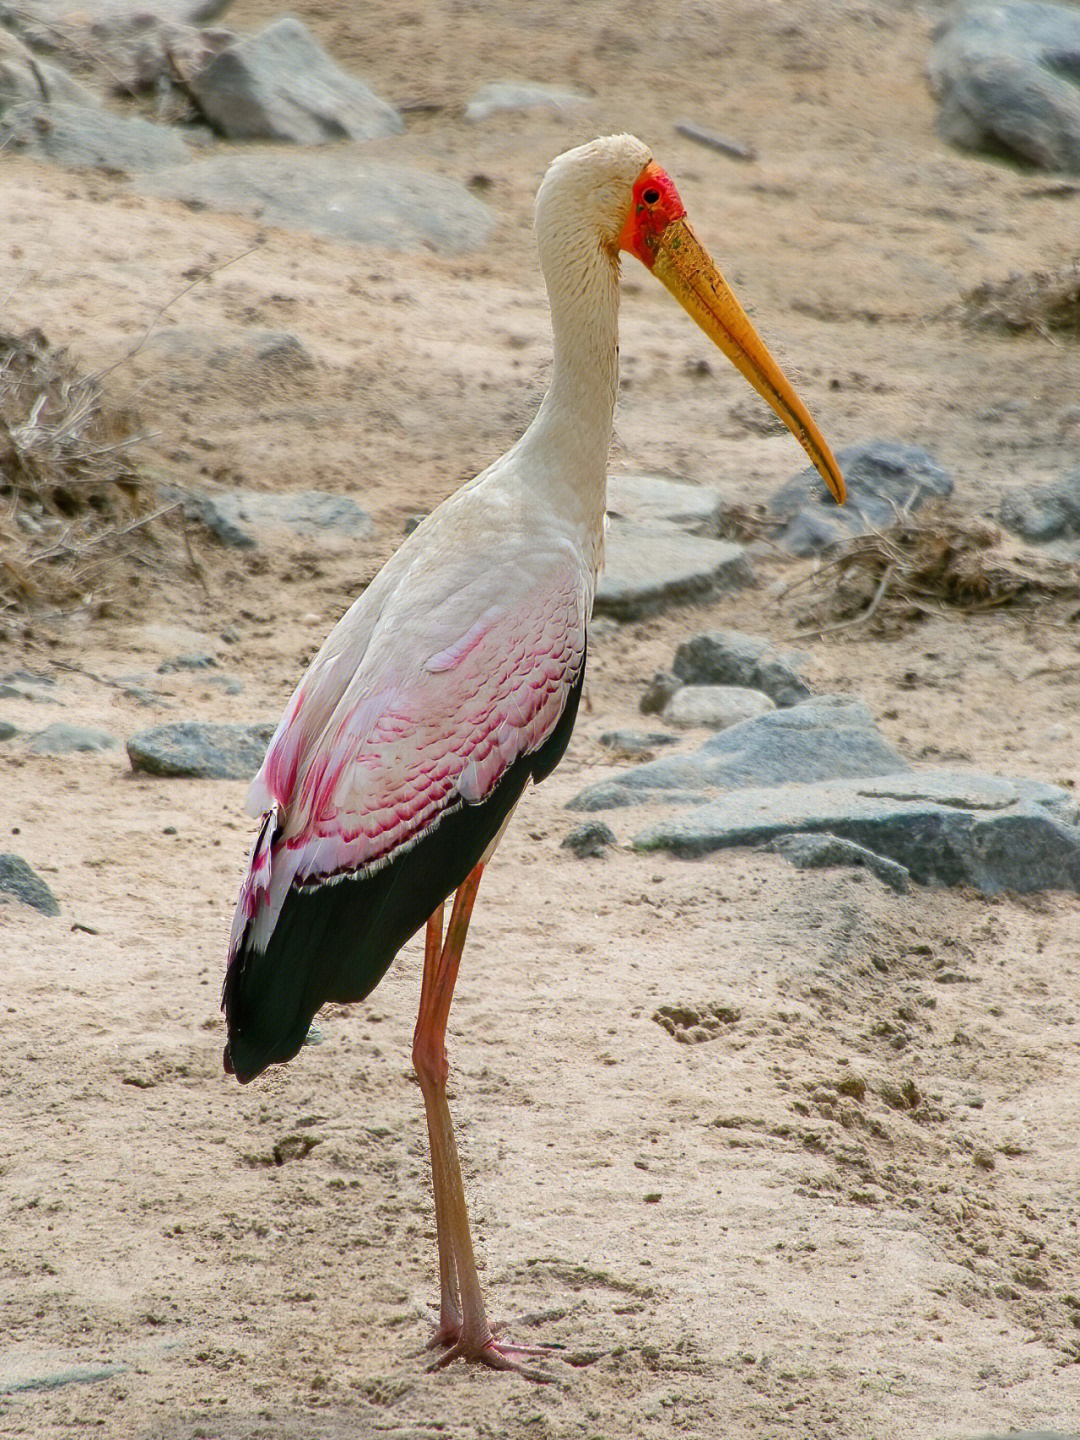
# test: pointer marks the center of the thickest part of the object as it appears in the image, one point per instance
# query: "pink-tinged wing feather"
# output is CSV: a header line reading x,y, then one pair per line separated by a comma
x,y
408,741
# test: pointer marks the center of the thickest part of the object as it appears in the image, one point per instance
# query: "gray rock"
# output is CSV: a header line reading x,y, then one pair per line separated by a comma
x,y
658,500
28,685
7,730
658,692
648,569
1044,512
196,660
56,1379
634,742
338,193
882,477
76,135
281,85
62,739
501,96
227,684
824,738
111,12
945,828
590,840
243,518
200,360
1008,79
818,852
196,750
728,657
715,706
18,879
1030,1435
26,78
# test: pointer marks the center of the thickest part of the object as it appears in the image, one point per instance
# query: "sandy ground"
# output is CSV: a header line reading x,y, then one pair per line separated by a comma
x,y
729,1239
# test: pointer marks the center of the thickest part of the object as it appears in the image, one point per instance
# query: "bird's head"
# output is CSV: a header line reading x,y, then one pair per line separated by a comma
x,y
615,191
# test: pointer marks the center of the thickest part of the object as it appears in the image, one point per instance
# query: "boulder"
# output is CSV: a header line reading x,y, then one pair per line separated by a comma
x,y
945,828
193,749
281,85
1008,79
338,193
824,738
243,518
650,569
79,135
659,500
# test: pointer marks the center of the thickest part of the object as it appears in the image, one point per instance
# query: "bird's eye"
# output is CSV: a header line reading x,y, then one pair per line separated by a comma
x,y
651,196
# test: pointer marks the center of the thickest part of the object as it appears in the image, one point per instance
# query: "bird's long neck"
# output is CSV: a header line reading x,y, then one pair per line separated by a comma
x,y
567,444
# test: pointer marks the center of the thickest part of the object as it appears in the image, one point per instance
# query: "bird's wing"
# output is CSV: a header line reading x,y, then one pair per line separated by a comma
x,y
444,700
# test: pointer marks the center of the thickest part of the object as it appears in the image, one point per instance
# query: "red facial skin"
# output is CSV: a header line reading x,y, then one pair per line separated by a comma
x,y
655,205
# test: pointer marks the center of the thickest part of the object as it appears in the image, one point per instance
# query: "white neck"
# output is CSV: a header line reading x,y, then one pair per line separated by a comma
x,y
564,453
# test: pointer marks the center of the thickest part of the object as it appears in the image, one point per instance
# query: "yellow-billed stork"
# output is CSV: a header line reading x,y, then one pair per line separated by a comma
x,y
454,680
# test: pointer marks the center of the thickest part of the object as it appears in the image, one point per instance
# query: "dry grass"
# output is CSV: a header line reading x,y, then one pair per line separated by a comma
x,y
1036,301
927,563
72,504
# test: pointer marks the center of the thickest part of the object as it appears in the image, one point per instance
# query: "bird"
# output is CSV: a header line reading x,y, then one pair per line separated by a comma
x,y
453,682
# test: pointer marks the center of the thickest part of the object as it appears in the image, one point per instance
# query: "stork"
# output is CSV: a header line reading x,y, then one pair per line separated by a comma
x,y
454,680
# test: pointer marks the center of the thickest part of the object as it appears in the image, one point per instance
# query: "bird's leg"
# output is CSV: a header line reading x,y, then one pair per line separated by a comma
x,y
449,1328
473,1339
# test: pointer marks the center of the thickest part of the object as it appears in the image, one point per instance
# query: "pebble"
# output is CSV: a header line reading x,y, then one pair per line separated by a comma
x,y
590,840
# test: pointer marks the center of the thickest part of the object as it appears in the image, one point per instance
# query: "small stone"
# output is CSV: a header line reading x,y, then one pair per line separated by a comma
x,y
728,657
658,692
7,730
25,884
589,841
854,1086
1044,512
633,743
197,660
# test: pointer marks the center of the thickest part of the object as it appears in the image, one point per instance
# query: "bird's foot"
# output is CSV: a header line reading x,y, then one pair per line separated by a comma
x,y
486,1349
448,1330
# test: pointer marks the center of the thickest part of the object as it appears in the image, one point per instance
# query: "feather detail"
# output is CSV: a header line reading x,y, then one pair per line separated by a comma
x,y
410,741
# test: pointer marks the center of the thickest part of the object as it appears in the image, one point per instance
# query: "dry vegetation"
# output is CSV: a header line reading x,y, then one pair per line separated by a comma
x,y
1041,301
925,564
73,504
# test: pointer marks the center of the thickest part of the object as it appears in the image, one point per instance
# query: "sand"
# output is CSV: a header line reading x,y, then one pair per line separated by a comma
x,y
853,1211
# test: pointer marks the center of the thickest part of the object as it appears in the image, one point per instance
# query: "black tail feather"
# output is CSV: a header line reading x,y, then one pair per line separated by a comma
x,y
334,941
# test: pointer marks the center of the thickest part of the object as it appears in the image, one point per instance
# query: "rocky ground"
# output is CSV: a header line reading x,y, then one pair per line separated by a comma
x,y
767,1148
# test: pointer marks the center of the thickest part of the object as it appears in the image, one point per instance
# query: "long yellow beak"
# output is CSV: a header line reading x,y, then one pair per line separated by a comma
x,y
684,265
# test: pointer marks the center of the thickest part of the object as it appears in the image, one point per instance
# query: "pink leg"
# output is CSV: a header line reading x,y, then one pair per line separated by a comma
x,y
463,1323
